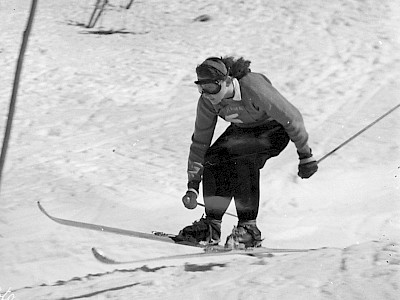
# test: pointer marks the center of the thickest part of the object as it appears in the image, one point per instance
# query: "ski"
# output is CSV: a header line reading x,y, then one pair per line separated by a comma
x,y
155,236
162,237
209,252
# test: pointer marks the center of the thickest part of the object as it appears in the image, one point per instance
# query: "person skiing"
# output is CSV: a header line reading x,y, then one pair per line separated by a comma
x,y
262,123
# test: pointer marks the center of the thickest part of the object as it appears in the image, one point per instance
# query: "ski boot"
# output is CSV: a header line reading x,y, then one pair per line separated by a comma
x,y
245,235
206,231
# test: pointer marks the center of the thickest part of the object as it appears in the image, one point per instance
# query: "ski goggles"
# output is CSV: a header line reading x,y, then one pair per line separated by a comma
x,y
208,86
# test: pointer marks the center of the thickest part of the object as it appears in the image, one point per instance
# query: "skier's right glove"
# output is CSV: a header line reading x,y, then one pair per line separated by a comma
x,y
190,198
307,166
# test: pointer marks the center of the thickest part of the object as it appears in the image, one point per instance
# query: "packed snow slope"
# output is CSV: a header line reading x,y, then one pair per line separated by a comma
x,y
102,129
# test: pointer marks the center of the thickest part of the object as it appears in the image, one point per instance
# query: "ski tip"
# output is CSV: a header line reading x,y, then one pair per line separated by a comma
x,y
97,252
101,257
40,206
43,210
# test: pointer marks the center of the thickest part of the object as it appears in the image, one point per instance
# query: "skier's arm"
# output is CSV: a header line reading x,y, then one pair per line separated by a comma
x,y
285,113
206,119
280,109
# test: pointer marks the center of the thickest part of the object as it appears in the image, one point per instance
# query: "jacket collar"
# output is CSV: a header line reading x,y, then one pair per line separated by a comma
x,y
236,86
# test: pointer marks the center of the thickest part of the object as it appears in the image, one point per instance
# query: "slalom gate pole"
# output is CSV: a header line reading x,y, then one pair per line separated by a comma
x,y
357,134
15,86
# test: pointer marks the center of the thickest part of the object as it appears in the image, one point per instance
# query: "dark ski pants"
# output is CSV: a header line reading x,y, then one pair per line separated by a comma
x,y
232,168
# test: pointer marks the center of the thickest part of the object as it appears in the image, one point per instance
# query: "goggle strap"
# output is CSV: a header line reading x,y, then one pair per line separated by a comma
x,y
205,81
220,66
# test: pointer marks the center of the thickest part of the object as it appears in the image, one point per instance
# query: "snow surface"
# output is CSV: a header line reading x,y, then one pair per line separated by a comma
x,y
102,131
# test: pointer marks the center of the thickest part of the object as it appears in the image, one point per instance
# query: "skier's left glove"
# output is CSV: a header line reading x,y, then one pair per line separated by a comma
x,y
307,166
190,198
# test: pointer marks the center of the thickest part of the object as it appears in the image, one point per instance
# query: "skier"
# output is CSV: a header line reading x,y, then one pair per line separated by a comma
x,y
262,123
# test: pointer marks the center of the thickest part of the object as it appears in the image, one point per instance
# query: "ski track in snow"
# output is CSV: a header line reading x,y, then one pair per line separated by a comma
x,y
102,131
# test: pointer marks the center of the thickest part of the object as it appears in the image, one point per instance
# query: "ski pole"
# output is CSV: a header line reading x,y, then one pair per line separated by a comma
x,y
225,213
357,134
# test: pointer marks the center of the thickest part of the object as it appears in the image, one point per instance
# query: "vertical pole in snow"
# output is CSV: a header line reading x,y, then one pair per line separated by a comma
x,y
15,86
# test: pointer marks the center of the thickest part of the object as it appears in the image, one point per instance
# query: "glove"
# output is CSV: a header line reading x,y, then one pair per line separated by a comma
x,y
190,198
307,166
